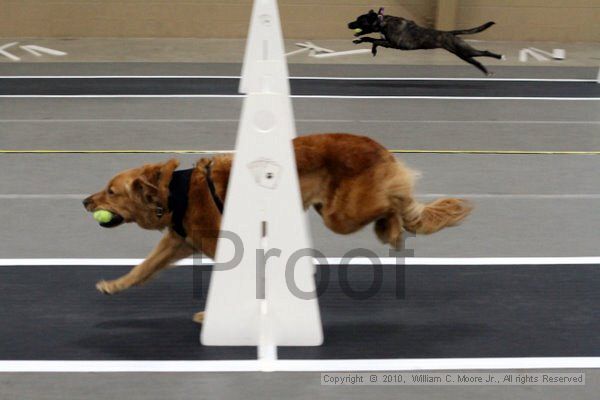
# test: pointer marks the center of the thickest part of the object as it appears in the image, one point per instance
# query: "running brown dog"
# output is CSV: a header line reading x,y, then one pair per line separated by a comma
x,y
350,180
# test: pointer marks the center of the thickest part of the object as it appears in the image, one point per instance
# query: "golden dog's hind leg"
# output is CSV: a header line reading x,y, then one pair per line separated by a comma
x,y
170,249
198,317
389,230
359,201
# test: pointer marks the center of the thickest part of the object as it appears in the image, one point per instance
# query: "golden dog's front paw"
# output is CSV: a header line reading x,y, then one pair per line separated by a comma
x,y
110,287
198,317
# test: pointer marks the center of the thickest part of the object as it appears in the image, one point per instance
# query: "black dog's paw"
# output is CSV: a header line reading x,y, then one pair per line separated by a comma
x,y
357,41
374,50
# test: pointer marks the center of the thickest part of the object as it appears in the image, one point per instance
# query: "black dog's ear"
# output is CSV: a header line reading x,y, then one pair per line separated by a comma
x,y
380,12
371,11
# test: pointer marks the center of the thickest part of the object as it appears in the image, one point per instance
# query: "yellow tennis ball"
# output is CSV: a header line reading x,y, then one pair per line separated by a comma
x,y
357,30
103,216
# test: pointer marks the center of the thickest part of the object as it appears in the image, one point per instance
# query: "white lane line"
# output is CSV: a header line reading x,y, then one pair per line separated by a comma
x,y
366,121
390,261
234,96
15,196
428,364
549,122
323,78
123,96
341,78
150,120
448,98
532,196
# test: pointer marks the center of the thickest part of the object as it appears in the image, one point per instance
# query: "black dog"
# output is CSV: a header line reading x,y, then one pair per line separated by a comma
x,y
404,34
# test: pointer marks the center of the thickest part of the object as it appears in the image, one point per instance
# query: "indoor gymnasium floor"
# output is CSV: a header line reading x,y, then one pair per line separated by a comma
x,y
524,147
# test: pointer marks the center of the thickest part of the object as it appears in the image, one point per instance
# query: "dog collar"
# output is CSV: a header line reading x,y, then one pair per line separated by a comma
x,y
179,189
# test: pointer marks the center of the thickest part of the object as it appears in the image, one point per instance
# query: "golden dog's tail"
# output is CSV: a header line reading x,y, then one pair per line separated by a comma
x,y
417,217
407,213
431,217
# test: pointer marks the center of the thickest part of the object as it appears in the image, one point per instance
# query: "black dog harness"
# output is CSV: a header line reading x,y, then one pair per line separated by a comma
x,y
179,196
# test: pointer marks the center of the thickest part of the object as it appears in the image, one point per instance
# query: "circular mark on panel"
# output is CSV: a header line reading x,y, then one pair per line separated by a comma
x,y
264,121
265,19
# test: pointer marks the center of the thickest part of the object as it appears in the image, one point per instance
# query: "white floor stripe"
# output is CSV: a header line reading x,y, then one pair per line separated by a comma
x,y
366,121
14,196
413,261
391,261
430,364
151,120
528,196
448,98
445,122
325,78
123,96
233,96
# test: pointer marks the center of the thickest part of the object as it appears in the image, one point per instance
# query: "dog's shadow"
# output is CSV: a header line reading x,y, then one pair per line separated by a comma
x,y
421,85
142,338
167,338
177,338
154,324
377,340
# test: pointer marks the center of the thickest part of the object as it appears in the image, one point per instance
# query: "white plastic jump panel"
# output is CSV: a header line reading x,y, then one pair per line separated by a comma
x,y
252,303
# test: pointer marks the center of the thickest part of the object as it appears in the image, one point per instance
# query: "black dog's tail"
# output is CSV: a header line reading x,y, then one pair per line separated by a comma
x,y
473,30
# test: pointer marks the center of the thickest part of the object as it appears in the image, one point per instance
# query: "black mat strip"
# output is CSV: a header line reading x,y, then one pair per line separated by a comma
x,y
551,71
307,87
54,313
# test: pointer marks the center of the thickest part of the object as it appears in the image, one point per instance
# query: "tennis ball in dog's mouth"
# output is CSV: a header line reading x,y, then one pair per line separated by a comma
x,y
357,30
103,216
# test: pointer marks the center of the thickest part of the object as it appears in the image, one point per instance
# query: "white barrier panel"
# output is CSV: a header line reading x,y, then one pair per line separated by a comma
x,y
541,55
251,305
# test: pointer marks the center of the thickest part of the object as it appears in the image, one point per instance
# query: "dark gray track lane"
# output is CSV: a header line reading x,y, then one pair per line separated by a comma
x,y
538,71
522,207
498,227
455,173
317,109
301,87
197,134
206,124
412,312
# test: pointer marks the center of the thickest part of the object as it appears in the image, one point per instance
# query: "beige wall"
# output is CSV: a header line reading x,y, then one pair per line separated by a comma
x,y
567,20
556,20
186,18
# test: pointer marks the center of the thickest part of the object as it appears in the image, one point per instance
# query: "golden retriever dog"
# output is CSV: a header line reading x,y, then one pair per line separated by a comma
x,y
350,180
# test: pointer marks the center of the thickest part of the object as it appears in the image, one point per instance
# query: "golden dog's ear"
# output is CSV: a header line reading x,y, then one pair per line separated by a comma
x,y
153,179
145,190
154,174
166,172
169,166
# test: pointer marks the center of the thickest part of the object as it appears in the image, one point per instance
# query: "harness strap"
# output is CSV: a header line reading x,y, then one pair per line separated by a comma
x,y
179,189
211,187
